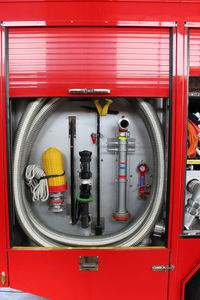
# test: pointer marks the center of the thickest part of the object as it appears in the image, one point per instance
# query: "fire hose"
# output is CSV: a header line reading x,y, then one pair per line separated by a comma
x,y
33,118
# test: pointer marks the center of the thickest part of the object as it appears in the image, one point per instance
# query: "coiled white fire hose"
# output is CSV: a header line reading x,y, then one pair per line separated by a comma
x,y
30,124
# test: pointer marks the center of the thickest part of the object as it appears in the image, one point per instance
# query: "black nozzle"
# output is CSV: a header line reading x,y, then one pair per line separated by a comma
x,y
85,158
85,196
85,191
85,218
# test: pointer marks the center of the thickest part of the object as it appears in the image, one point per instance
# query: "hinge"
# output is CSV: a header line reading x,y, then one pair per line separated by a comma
x,y
164,268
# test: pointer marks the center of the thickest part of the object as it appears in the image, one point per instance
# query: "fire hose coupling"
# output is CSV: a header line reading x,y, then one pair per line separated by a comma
x,y
85,196
192,209
123,124
53,167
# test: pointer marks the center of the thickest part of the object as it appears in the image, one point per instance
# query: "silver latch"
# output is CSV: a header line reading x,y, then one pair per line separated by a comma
x,y
3,278
89,91
88,263
164,268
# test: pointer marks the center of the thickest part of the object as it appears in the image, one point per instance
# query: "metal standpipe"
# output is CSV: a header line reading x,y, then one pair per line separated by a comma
x,y
121,213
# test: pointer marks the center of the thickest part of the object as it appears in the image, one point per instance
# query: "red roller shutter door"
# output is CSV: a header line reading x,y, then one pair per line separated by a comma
x,y
47,61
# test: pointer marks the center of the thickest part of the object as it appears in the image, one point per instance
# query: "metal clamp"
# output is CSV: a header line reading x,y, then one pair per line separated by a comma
x,y
89,91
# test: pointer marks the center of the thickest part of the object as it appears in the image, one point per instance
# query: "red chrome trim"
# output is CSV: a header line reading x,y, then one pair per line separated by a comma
x,y
107,22
23,23
147,24
192,24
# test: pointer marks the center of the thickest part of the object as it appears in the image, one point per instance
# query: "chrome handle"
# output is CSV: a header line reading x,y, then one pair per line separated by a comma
x,y
164,268
88,263
89,91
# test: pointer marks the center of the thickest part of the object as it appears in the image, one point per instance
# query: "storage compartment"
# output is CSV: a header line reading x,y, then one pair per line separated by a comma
x,y
191,207
191,211
115,164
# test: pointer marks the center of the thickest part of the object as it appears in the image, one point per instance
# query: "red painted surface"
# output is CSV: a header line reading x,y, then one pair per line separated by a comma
x,y
55,274
194,48
178,164
124,60
3,204
36,270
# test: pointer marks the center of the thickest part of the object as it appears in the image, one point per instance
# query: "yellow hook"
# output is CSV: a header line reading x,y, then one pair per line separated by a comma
x,y
103,111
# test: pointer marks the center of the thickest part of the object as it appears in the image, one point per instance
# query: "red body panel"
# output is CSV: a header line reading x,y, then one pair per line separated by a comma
x,y
52,60
61,267
124,272
194,46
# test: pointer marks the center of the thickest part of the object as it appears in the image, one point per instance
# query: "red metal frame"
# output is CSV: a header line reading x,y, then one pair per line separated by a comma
x,y
115,14
4,233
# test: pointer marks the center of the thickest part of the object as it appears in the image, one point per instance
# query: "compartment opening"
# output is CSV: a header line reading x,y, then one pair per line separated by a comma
x,y
105,151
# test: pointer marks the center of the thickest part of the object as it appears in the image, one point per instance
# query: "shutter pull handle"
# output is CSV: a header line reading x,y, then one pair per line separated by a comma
x,y
89,91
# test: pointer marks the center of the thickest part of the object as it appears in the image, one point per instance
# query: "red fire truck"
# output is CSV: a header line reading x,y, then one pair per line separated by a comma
x,y
100,157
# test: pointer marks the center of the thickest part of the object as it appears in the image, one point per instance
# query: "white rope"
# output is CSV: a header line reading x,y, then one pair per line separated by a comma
x,y
39,188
